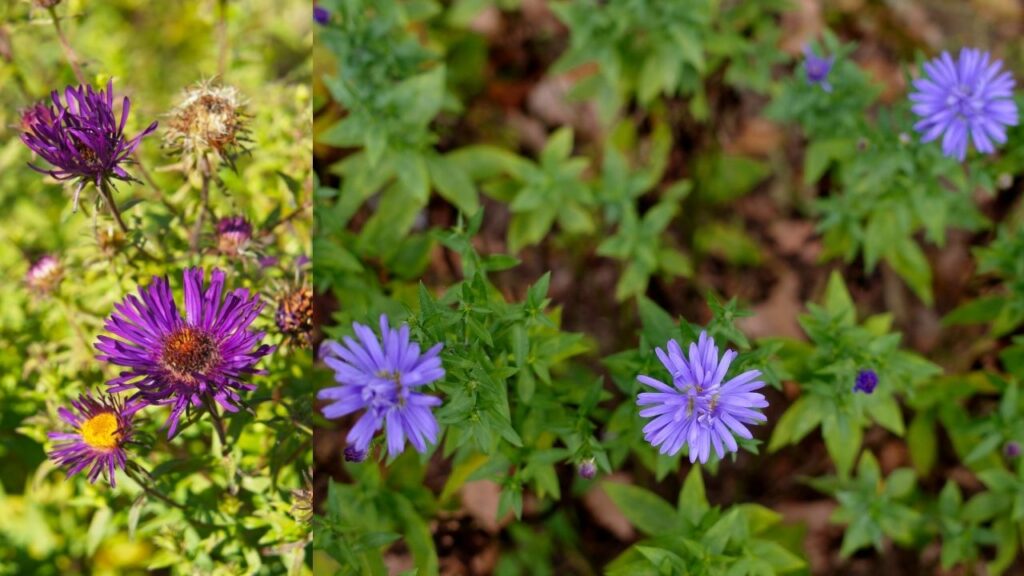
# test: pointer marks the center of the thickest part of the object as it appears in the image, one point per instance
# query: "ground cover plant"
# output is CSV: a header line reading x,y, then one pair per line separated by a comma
x,y
645,287
155,276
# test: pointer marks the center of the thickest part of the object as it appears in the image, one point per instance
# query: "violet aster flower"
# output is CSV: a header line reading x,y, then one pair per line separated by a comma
x,y
381,377
233,233
969,99
866,381
321,15
102,428
699,409
184,361
81,137
818,68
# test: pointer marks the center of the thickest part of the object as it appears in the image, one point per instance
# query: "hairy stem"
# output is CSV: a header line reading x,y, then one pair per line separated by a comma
x,y
204,207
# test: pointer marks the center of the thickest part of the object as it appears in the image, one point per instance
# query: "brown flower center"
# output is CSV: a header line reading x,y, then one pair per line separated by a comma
x,y
189,351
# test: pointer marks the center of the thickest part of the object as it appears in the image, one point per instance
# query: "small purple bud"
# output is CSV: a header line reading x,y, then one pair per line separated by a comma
x,y
268,261
321,15
818,68
353,454
866,381
233,233
587,469
1012,449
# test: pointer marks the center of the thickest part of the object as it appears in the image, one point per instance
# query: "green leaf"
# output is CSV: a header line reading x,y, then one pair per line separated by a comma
x,y
97,530
922,443
907,259
658,325
980,311
886,411
453,184
693,502
645,510
798,420
821,153
842,439
838,301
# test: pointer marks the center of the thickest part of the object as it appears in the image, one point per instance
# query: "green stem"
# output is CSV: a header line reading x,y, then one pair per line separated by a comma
x,y
69,52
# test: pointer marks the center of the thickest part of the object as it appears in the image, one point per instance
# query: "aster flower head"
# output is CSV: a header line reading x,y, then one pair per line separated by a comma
x,y
866,381
1011,449
233,234
381,376
176,360
966,100
321,15
44,275
818,68
102,427
209,125
81,137
700,408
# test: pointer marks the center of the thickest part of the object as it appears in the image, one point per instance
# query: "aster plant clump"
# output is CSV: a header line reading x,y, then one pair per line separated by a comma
x,y
201,357
382,376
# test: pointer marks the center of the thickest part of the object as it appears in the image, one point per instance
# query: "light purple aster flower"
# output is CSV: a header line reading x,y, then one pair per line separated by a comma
x,y
184,361
699,410
969,99
818,68
102,428
381,376
81,137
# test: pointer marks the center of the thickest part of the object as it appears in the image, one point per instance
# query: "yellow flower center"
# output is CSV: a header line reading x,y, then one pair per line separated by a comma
x,y
101,432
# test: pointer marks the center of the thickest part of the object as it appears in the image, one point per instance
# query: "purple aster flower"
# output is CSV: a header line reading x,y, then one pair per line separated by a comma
x,y
102,428
818,68
184,361
1012,449
699,409
233,233
81,137
381,377
866,381
321,15
970,99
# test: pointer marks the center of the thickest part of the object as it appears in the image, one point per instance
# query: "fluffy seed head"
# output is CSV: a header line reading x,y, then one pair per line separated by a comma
x,y
208,126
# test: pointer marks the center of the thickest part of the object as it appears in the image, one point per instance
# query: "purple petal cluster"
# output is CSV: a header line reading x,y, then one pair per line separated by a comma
x,y
698,409
183,361
381,376
102,427
865,382
966,100
81,137
233,233
321,15
818,68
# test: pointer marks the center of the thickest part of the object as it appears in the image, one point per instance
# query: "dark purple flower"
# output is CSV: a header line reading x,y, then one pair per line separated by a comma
x,y
818,68
45,274
381,377
102,428
1012,449
970,99
587,469
353,454
699,409
233,233
866,381
182,361
84,140
321,15
37,114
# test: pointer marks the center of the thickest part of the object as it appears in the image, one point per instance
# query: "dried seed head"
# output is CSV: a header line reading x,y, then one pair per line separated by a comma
x,y
208,126
294,315
44,275
110,240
